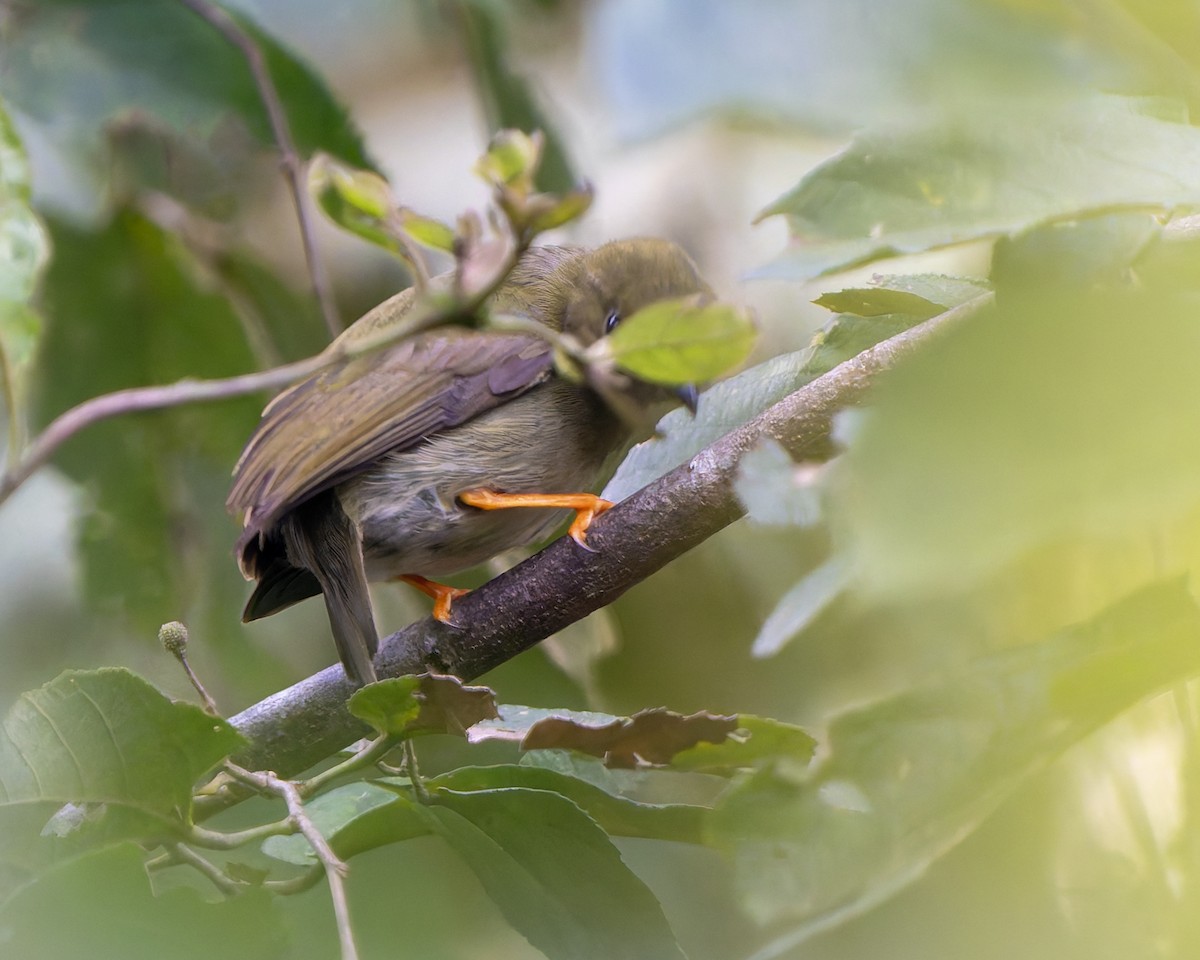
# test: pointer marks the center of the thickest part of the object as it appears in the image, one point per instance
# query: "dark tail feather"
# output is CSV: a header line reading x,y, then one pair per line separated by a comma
x,y
279,586
321,538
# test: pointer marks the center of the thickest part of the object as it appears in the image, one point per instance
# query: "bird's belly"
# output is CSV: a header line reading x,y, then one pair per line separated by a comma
x,y
407,505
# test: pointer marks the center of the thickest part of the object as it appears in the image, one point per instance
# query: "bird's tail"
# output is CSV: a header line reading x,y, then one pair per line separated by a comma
x,y
319,537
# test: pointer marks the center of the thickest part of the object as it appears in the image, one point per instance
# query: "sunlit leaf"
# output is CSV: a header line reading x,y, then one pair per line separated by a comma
x,y
679,341
906,779
980,174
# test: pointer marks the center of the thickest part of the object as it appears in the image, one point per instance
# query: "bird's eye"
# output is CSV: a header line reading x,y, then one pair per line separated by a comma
x,y
611,323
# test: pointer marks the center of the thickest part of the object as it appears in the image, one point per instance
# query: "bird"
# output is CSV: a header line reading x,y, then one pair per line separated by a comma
x,y
434,454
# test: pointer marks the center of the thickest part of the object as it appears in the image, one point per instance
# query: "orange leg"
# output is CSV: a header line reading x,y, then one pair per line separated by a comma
x,y
587,506
443,596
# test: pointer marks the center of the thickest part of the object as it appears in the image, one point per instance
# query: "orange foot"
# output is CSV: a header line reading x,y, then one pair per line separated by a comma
x,y
587,506
443,596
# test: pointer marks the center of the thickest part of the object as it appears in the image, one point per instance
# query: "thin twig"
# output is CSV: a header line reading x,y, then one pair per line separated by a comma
x,y
368,756
182,853
140,399
293,168
335,867
414,773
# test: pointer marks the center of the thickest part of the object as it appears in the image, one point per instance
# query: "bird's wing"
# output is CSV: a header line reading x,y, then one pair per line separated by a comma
x,y
338,422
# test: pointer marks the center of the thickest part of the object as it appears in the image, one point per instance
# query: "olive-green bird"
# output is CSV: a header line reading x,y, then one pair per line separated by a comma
x,y
402,464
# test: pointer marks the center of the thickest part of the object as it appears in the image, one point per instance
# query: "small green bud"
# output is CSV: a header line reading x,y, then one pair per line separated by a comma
x,y
174,637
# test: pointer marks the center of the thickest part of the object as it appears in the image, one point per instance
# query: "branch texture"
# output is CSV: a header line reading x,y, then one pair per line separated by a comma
x,y
297,727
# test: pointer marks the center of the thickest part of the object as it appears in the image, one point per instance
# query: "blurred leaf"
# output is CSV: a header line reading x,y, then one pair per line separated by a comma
x,y
427,231
561,209
508,101
580,646
802,604
511,159
906,779
756,742
733,402
828,65
358,201
113,748
978,174
75,64
25,250
554,874
124,309
680,341
1057,414
1098,250
102,906
920,295
776,490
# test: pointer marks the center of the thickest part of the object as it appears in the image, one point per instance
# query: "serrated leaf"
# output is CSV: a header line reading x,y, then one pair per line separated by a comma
x,y
73,66
979,174
776,490
904,780
101,905
390,706
802,604
679,341
554,874
427,702
875,302
107,736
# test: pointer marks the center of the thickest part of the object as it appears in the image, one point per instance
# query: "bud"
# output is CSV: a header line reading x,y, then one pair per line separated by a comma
x,y
174,637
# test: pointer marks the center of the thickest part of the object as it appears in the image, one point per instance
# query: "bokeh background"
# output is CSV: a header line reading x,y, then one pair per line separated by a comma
x,y
1028,474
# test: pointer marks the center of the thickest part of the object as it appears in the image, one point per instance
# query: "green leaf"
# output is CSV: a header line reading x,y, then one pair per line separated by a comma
x,y
359,201
1058,415
124,308
802,604
774,489
26,249
427,231
76,64
101,905
511,159
554,874
980,174
617,815
507,100
124,756
354,818
678,342
390,706
903,781
107,736
733,402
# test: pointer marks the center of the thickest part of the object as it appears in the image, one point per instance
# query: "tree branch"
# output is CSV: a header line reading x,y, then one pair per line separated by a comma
x,y
297,727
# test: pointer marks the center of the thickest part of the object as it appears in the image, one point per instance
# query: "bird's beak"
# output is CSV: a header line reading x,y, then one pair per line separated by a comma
x,y
689,396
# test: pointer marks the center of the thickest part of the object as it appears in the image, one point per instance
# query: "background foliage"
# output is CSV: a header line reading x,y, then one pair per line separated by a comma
x,y
982,609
